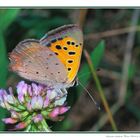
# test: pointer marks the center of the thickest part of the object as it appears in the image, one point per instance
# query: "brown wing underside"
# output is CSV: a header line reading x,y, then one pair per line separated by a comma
x,y
37,63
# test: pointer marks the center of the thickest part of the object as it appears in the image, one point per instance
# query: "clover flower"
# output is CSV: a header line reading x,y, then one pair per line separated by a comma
x,y
33,105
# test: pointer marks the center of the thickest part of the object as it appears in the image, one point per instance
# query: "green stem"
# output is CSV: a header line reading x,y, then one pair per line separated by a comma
x,y
28,129
45,126
101,92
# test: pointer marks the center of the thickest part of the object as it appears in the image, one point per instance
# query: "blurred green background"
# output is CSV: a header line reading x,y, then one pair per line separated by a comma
x,y
112,38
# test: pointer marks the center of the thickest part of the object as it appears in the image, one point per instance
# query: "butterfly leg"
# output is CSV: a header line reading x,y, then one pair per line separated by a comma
x,y
64,91
61,92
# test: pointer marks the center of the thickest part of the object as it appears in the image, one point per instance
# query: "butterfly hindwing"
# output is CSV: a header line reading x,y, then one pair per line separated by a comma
x,y
37,63
67,43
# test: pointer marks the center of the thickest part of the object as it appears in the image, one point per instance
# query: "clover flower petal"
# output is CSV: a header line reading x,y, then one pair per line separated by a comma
x,y
60,101
9,120
37,102
33,106
37,118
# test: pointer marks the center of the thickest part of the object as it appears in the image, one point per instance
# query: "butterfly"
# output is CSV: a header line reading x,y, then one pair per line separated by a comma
x,y
53,60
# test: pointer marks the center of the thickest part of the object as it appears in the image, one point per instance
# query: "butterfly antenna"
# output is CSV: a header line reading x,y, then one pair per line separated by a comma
x,y
96,104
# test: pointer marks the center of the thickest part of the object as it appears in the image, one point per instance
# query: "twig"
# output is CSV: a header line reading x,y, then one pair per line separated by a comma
x,y
98,85
127,58
113,75
112,33
82,17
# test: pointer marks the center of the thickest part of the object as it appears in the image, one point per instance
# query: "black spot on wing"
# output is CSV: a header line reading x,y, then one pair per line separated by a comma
x,y
56,53
51,54
53,40
69,69
49,45
58,47
60,38
70,61
72,53
65,48
72,43
68,42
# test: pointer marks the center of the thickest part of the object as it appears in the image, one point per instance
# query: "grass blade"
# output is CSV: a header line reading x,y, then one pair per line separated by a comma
x,y
101,92
7,16
85,73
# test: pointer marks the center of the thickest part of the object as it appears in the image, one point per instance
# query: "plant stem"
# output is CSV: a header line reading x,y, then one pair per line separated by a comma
x,y
45,126
28,129
112,33
101,92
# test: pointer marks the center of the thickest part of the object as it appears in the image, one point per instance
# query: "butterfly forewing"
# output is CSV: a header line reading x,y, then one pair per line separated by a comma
x,y
66,42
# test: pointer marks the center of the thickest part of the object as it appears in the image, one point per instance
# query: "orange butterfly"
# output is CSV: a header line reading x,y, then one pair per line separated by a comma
x,y
53,61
